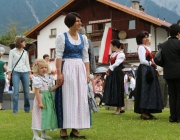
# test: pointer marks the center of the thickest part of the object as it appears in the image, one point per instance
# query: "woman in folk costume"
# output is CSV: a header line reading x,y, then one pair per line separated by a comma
x,y
114,86
147,92
72,64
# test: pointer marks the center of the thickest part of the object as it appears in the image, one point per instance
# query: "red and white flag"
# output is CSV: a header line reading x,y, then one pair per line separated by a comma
x,y
105,46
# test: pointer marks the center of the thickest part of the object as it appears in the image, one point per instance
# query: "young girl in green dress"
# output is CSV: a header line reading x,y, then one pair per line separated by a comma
x,y
43,114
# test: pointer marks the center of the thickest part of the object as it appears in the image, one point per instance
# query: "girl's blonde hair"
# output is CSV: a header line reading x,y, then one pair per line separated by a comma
x,y
36,64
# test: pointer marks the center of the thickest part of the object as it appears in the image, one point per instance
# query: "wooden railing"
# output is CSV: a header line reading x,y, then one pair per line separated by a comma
x,y
96,35
133,57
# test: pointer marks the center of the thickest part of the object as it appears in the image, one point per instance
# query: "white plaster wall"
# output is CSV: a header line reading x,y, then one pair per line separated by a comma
x,y
44,42
5,58
161,36
132,45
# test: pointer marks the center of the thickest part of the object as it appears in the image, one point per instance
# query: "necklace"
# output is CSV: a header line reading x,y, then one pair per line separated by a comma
x,y
74,38
43,79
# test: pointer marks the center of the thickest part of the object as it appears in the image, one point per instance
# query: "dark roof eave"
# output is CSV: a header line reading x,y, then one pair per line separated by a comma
x,y
165,26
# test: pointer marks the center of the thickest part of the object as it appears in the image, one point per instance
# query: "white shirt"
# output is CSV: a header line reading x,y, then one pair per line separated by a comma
x,y
23,64
142,54
160,69
132,83
125,78
119,59
60,44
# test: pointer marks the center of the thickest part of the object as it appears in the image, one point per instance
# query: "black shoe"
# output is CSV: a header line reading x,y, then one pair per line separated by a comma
x,y
2,109
122,111
64,137
144,118
78,137
172,121
152,117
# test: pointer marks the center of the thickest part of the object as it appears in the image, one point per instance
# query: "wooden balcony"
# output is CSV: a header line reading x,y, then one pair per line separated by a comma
x,y
97,35
133,57
130,57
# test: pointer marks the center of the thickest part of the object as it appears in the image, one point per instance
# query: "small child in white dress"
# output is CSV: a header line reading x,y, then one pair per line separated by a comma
x,y
43,113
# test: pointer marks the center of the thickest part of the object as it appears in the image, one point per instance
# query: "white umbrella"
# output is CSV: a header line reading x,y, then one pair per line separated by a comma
x,y
101,69
2,50
7,49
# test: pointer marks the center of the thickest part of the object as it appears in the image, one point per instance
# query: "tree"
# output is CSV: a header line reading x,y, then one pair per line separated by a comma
x,y
11,33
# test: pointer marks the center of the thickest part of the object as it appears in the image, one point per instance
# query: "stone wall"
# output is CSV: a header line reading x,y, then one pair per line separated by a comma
x,y
129,105
8,100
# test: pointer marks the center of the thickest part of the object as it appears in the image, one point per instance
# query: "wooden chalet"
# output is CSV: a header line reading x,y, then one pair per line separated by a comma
x,y
126,22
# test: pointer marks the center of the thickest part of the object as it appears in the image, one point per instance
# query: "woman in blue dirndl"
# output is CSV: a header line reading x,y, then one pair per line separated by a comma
x,y
72,64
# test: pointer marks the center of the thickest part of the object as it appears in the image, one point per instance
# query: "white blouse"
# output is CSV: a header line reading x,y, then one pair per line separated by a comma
x,y
44,83
23,64
120,58
132,83
60,44
142,55
125,78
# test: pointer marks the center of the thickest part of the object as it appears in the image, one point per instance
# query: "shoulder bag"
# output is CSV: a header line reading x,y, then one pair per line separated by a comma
x,y
149,73
10,83
91,100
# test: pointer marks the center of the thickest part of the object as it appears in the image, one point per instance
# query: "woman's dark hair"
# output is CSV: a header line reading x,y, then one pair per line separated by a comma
x,y
130,74
140,36
117,43
178,22
174,29
18,42
46,55
70,19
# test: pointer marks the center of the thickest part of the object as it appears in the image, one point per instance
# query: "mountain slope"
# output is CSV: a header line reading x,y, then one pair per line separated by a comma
x,y
172,5
155,10
28,13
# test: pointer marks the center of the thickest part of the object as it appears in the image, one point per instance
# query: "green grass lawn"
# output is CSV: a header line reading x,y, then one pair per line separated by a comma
x,y
126,126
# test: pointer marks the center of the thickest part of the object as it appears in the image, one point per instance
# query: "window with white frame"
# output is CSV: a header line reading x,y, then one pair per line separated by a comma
x,y
89,29
108,24
132,24
53,31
